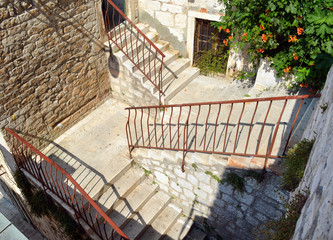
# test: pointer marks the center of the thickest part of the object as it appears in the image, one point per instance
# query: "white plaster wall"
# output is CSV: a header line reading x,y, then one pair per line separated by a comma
x,y
316,219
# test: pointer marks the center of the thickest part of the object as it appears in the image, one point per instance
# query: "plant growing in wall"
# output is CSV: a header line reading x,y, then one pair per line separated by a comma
x,y
295,163
296,36
283,228
42,205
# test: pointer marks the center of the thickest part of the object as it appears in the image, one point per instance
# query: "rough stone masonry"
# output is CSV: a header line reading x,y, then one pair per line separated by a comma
x,y
52,65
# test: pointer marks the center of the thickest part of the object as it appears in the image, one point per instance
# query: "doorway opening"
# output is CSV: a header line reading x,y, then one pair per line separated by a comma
x,y
111,16
211,49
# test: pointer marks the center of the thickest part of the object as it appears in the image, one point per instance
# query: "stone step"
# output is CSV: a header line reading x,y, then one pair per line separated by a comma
x,y
180,229
162,223
135,46
149,212
133,202
143,57
95,185
172,70
178,84
170,56
120,189
195,234
123,39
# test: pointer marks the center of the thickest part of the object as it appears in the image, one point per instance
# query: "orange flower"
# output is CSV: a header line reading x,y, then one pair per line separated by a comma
x,y
225,42
287,69
302,85
244,34
295,56
264,38
261,50
230,37
269,35
292,38
306,85
300,31
221,28
227,30
262,27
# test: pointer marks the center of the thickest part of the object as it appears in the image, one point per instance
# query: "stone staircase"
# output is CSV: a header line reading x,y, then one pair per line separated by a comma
x,y
123,190
176,72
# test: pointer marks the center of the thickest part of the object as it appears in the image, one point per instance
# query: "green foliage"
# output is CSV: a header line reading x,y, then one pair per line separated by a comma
x,y
297,36
194,166
235,181
42,205
253,174
284,228
324,107
213,176
295,163
212,61
147,172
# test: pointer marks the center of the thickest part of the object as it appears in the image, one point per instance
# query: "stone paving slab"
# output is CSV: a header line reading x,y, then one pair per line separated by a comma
x,y
97,145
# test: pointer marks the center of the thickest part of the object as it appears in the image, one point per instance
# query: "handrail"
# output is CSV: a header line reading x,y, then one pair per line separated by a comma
x,y
216,127
115,34
26,157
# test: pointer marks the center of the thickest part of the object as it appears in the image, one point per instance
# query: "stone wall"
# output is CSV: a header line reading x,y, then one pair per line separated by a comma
x,y
52,66
126,87
316,219
170,17
203,198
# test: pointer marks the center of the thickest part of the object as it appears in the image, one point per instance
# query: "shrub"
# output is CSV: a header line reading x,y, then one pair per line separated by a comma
x,y
297,36
235,181
283,228
295,163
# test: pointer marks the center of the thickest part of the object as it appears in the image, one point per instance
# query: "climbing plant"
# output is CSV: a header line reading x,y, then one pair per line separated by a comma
x,y
296,36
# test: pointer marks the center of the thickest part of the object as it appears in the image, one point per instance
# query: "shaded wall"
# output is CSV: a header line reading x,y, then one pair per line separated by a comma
x,y
316,219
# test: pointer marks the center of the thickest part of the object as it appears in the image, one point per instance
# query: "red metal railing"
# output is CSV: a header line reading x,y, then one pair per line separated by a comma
x,y
59,182
247,127
139,49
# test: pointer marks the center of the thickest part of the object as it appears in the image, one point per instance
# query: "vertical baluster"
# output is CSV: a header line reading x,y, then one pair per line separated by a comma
x,y
217,117
196,129
148,127
263,126
170,125
204,147
142,134
240,118
292,127
248,137
155,127
163,127
226,129
180,113
136,134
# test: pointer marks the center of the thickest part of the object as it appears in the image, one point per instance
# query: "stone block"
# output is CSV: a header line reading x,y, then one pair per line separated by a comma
x,y
179,173
165,18
229,199
185,184
192,179
181,20
203,177
161,177
239,162
189,194
200,193
175,187
207,188
171,8
154,6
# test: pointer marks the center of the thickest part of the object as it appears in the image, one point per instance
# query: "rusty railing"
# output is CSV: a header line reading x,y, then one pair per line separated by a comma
x,y
247,127
55,179
139,49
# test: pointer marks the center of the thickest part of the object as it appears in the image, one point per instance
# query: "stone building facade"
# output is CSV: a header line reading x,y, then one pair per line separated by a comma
x,y
52,65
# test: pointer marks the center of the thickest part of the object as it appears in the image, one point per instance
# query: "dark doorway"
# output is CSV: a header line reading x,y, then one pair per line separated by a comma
x,y
111,16
210,49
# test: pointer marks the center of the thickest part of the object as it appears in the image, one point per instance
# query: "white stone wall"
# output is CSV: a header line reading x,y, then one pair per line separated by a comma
x,y
233,215
170,17
316,219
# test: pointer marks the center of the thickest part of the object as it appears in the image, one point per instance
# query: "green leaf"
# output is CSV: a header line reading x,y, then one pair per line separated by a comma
x,y
322,30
